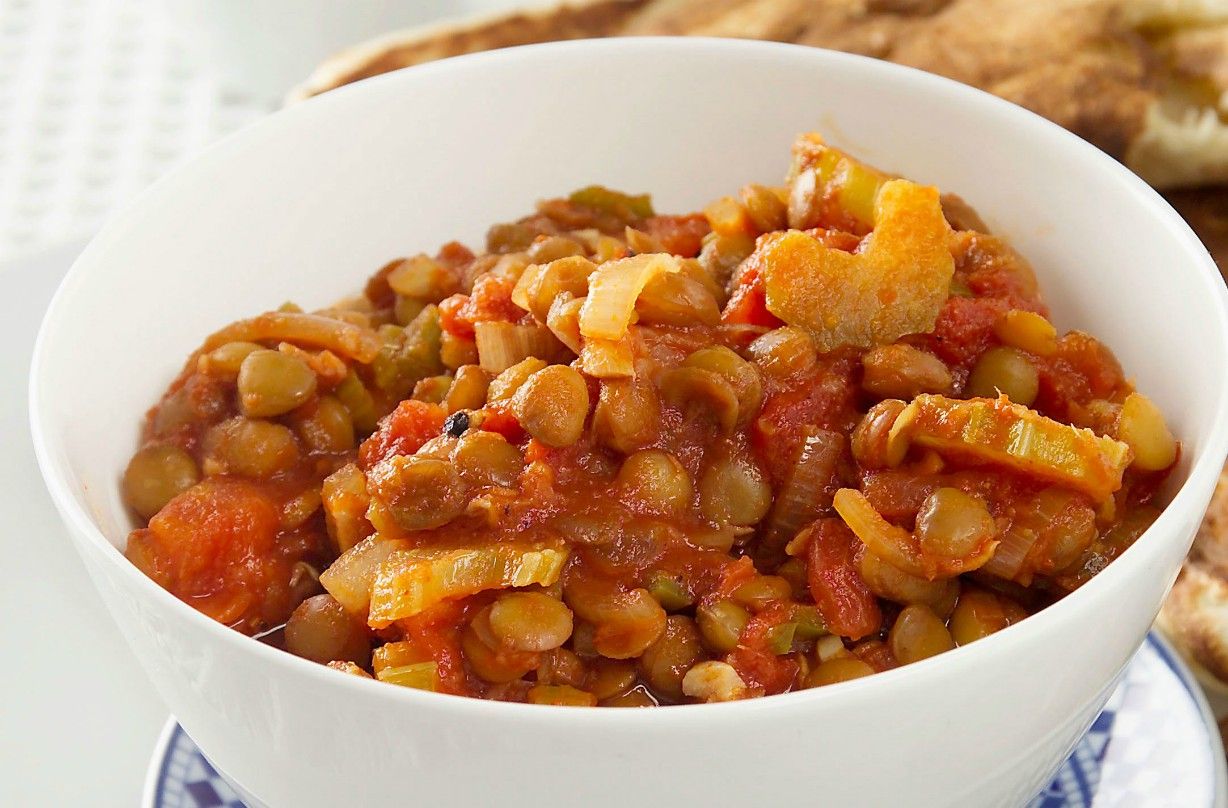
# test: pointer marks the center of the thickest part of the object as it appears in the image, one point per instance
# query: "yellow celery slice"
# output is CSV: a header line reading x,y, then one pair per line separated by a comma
x,y
418,675
411,581
999,432
350,577
854,184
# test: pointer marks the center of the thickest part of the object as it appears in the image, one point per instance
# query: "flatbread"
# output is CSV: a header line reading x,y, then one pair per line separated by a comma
x,y
1145,80
393,51
1195,618
1115,72
673,17
1195,615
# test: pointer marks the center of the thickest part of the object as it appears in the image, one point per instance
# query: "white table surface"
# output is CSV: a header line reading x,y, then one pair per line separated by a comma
x,y
96,101
78,718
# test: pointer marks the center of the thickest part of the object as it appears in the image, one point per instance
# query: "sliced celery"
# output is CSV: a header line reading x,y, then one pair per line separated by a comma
x,y
669,592
780,638
616,203
418,675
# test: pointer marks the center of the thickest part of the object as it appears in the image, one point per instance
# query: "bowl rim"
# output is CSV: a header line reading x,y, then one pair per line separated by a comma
x,y
1193,258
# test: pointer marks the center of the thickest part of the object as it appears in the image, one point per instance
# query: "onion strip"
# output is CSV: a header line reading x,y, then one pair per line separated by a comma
x,y
607,359
807,490
897,546
613,289
501,345
1009,557
338,336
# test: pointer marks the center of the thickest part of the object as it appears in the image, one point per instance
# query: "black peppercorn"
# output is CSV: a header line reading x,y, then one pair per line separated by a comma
x,y
456,424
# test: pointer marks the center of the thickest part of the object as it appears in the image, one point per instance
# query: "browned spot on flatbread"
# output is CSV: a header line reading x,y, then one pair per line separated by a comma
x,y
779,20
1199,52
675,17
1073,61
869,28
1103,69
1195,614
524,28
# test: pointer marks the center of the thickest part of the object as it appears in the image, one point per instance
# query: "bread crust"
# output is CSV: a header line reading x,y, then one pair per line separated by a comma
x,y
574,20
1195,615
1118,73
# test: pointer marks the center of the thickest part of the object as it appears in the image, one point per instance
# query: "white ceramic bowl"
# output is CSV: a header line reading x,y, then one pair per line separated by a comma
x,y
305,204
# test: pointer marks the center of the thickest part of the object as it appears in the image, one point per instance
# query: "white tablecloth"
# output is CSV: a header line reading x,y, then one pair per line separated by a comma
x,y
97,100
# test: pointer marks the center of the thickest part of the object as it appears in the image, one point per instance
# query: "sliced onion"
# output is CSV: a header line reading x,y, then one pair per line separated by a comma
x,y
563,320
892,544
1011,553
897,546
520,292
613,290
607,358
807,490
501,345
338,336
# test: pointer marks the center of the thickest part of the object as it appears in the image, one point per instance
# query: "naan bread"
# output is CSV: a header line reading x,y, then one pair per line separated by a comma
x,y
1145,80
1195,615
581,20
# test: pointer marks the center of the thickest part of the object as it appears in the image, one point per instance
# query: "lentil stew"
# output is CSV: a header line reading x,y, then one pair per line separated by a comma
x,y
811,433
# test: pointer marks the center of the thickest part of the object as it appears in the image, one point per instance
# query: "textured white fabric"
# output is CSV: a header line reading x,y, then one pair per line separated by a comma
x,y
96,101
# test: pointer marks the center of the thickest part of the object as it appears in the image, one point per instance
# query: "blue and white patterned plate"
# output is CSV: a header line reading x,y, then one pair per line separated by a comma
x,y
1155,744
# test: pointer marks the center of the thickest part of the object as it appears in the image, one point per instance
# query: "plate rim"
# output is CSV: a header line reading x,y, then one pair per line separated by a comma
x,y
1176,663
159,761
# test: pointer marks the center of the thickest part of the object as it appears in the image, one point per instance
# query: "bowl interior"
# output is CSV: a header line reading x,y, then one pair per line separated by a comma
x,y
305,205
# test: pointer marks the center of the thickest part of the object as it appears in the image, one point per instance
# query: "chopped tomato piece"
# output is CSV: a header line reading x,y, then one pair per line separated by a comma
x,y
435,634
211,545
756,661
965,328
455,256
846,603
680,235
734,575
748,304
825,399
402,432
498,417
491,300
